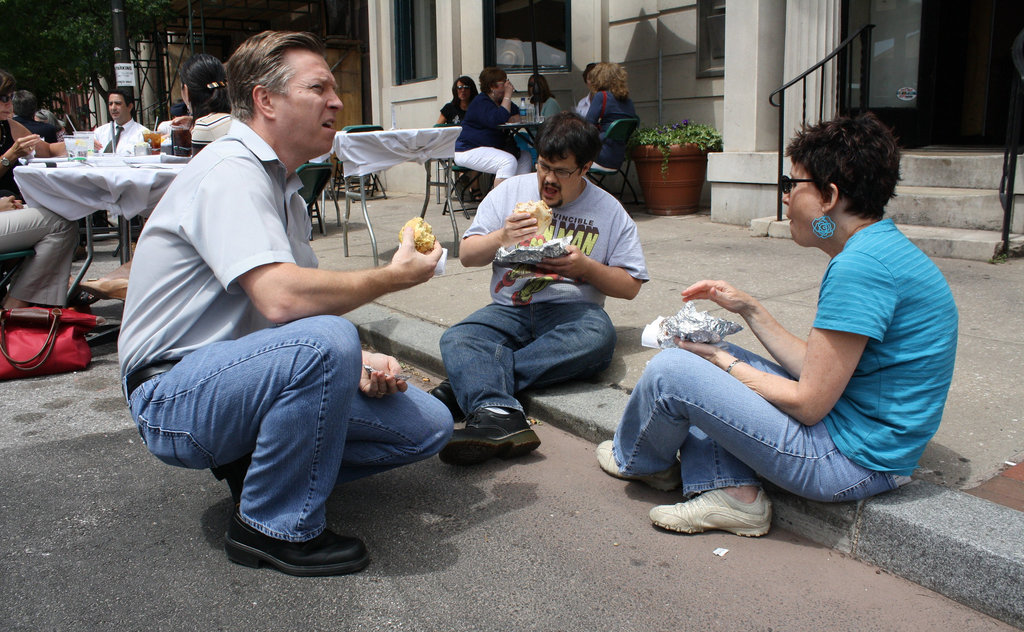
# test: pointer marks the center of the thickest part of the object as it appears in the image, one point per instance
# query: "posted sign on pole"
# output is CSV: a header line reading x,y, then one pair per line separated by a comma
x,y
125,75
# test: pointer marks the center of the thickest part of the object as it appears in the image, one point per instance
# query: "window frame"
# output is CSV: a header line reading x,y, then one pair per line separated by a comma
x,y
403,29
707,65
491,41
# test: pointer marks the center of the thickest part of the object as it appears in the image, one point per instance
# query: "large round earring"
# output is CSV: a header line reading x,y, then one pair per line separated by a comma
x,y
823,227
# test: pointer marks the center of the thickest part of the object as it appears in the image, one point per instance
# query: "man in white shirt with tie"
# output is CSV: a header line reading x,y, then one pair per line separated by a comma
x,y
122,133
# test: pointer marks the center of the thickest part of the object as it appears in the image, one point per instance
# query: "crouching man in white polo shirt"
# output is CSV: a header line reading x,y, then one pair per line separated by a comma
x,y
232,351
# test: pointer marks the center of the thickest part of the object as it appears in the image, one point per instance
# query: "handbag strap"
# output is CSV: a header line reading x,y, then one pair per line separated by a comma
x,y
34,362
603,105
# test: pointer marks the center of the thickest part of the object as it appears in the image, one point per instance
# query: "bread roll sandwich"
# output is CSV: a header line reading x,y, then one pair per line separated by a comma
x,y
539,210
422,234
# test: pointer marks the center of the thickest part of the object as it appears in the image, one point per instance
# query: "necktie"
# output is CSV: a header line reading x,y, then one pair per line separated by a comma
x,y
111,147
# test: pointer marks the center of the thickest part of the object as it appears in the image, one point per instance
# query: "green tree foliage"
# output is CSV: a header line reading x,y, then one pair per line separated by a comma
x,y
53,46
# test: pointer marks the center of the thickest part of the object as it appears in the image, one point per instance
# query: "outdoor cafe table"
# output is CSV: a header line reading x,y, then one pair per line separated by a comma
x,y
363,153
124,187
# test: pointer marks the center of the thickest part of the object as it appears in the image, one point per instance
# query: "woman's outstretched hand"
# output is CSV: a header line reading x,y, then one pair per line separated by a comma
x,y
722,294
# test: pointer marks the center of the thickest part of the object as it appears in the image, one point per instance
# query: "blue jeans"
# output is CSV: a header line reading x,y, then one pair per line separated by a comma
x,y
727,435
288,395
498,350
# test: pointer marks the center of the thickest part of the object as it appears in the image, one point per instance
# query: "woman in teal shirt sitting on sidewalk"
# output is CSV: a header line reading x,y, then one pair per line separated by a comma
x,y
842,416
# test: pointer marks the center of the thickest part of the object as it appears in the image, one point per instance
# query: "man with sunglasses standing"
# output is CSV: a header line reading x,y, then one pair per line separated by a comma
x,y
546,323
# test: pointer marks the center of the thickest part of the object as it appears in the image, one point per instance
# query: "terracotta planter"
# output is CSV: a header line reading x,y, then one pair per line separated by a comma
x,y
677,190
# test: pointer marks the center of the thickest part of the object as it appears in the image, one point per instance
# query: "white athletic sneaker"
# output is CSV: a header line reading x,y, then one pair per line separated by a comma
x,y
665,480
716,509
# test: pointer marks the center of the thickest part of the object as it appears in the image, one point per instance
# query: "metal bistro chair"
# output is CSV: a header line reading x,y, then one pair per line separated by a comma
x,y
619,130
315,176
374,188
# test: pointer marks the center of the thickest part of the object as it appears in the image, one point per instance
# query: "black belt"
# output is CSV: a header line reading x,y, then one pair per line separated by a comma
x,y
138,376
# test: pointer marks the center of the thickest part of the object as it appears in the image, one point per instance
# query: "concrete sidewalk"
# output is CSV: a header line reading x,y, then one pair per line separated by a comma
x,y
930,532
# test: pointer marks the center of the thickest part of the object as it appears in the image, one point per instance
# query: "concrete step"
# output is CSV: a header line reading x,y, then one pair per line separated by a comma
x,y
975,209
934,241
959,168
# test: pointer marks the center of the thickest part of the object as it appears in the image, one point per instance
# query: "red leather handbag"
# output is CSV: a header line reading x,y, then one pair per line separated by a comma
x,y
40,341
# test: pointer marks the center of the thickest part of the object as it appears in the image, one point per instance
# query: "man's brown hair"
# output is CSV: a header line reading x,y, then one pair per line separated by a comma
x,y
259,61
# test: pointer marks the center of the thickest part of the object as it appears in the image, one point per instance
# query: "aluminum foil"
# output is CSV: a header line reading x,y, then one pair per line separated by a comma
x,y
694,326
532,254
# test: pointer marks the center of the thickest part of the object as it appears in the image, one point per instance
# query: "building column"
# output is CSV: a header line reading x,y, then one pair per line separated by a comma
x,y
754,56
812,32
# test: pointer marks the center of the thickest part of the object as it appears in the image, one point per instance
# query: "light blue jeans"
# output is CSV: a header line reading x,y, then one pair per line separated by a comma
x,y
288,395
727,435
498,350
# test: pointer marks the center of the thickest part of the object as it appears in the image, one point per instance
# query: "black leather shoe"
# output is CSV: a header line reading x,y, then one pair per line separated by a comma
x,y
326,554
234,473
444,392
488,434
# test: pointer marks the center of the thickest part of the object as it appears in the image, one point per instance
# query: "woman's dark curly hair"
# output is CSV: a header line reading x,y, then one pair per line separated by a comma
x,y
859,155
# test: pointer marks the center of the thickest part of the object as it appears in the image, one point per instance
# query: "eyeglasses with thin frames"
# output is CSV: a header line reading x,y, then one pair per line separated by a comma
x,y
788,183
561,174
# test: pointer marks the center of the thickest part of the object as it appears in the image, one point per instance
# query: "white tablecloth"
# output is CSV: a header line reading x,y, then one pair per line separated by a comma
x,y
363,153
76,191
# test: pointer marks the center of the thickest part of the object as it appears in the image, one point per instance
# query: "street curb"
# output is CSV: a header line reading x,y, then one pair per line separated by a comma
x,y
966,548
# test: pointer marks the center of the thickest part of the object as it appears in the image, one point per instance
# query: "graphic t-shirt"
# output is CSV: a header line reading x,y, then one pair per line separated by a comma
x,y
598,225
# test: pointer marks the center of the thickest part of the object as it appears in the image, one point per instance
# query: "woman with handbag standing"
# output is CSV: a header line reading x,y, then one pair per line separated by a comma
x,y
43,279
610,103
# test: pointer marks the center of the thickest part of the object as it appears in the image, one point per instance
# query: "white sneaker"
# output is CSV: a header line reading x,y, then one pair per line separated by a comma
x,y
665,480
716,509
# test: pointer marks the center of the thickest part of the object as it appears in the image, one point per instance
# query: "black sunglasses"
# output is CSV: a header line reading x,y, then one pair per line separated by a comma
x,y
462,87
788,183
5,98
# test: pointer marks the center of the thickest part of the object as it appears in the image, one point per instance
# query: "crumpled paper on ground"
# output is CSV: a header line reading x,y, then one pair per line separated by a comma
x,y
688,324
532,254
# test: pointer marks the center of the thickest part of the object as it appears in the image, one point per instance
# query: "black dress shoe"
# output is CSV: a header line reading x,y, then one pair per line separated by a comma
x,y
488,434
446,394
234,473
326,554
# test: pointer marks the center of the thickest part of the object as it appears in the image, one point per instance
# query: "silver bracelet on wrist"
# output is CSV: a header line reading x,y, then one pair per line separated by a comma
x,y
732,365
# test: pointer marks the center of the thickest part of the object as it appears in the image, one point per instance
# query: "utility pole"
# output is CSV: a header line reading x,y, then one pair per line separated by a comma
x,y
121,54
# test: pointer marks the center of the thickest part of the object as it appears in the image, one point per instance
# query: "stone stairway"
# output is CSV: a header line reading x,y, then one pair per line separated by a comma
x,y
947,203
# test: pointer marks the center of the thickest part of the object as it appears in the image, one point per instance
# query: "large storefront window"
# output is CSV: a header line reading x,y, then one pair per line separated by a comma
x,y
509,26
415,40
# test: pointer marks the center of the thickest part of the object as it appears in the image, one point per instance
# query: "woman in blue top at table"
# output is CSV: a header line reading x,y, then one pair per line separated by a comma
x,y
482,145
844,414
609,103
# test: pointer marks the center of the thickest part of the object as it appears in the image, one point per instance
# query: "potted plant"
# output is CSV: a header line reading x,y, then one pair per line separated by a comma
x,y
671,163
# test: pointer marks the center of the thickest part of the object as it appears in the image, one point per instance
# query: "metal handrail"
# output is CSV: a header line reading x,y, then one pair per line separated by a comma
x,y
1013,125
864,34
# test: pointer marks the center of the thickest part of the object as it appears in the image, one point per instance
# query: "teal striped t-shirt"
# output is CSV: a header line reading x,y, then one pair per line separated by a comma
x,y
883,287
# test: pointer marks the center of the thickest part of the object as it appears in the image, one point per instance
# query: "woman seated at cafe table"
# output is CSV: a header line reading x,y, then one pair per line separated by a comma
x,y
482,145
43,278
840,416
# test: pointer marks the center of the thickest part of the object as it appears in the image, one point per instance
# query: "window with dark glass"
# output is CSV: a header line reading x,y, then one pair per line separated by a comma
x,y
415,40
710,38
509,28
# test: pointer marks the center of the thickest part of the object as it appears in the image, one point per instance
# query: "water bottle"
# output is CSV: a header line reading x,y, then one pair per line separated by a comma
x,y
522,107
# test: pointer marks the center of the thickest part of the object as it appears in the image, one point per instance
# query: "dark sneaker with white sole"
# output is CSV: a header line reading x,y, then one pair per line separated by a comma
x,y
490,434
